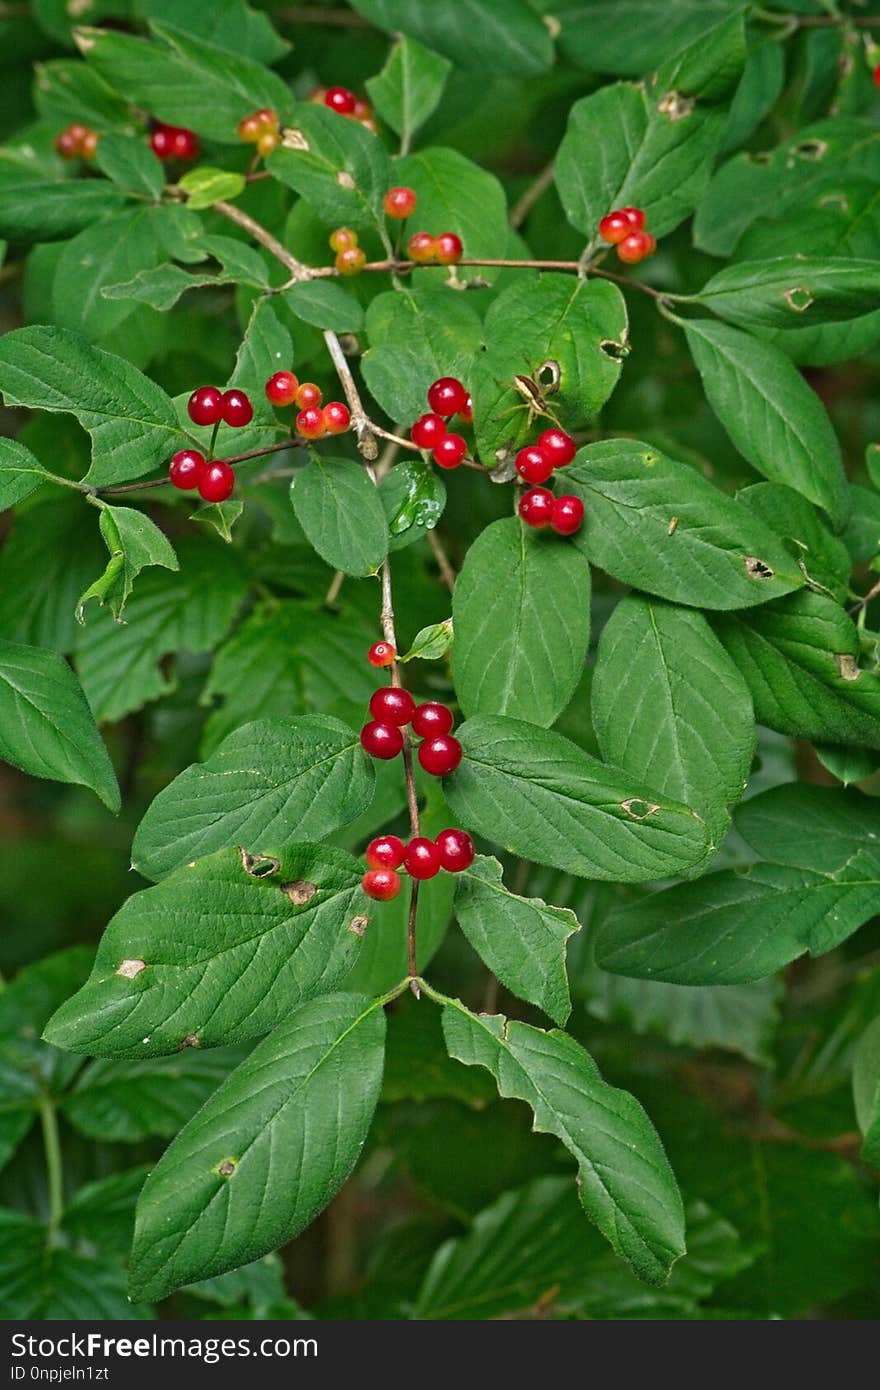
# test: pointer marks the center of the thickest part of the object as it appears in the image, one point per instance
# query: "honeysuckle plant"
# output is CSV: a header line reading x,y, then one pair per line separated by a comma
x,y
441,519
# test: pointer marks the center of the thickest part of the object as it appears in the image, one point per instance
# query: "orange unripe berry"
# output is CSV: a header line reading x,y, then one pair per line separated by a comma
x,y
249,129
351,261
267,142
422,248
89,144
308,394
342,239
362,109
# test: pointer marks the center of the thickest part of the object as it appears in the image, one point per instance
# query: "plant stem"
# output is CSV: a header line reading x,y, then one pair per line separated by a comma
x,y
293,443
332,593
447,573
863,602
54,1171
411,937
526,202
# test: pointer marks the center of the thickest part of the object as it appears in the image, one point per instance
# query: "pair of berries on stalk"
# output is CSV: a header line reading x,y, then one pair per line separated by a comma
x,y
345,103
173,142
189,469
76,141
260,128
285,388
452,850
625,229
392,709
446,397
535,464
425,249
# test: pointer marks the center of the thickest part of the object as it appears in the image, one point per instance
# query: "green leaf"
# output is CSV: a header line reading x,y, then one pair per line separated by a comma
x,y
46,726
36,208
129,162
125,1102
413,496
669,704
122,666
218,1198
625,1184
264,349
66,90
101,1213
430,643
822,556
341,169
757,93
218,952
710,65
268,781
134,542
632,36
184,80
773,417
866,1091
20,473
409,88
457,195
521,940
325,304
800,659
655,155
113,250
206,185
846,763
341,513
536,794
504,36
41,1282
231,24
521,612
657,524
792,291
416,336
59,554
580,325
130,419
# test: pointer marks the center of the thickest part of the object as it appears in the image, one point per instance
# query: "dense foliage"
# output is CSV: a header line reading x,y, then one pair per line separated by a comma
x,y
236,1074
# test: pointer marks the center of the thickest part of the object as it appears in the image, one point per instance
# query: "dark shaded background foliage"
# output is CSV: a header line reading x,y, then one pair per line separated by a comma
x,y
750,1087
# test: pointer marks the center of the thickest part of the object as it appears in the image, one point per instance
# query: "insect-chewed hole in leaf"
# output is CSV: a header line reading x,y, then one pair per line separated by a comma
x,y
811,149
299,891
838,201
758,157
191,1040
616,351
128,969
226,1167
757,569
294,140
358,925
675,106
638,809
847,666
673,522
549,375
259,865
344,179
798,298
649,460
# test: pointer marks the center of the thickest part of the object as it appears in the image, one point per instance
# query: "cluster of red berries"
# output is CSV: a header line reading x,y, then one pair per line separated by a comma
x,y
425,249
76,141
214,478
350,257
446,397
422,858
535,464
625,229
284,388
173,142
345,103
392,709
260,128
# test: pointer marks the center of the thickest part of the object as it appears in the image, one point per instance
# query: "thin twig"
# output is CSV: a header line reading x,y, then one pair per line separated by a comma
x,y
521,209
411,937
332,593
863,602
447,573
118,488
298,271
362,425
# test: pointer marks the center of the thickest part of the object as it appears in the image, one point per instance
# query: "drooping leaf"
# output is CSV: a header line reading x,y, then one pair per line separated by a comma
x,y
218,1197
134,542
521,612
267,782
625,1184
341,513
539,796
218,952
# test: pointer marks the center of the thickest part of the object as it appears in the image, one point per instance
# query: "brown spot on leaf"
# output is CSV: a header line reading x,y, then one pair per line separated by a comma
x,y
798,298
358,925
811,149
259,865
226,1167
673,522
639,809
676,107
128,969
299,891
294,140
616,351
847,666
344,179
191,1040
758,157
757,569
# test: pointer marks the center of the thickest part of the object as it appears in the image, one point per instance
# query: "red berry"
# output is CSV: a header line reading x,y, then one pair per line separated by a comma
x,y
67,144
876,75
466,414
449,451
421,858
567,515
337,417
536,506
636,218
351,261
456,850
217,481
440,755
186,469
342,239
620,223
558,446
89,144
205,405
432,718
533,464
310,422
268,119
391,705
448,248
636,247
399,202
385,852
237,408
340,99
381,740
281,388
161,142
184,143
427,431
422,248
381,654
447,397
308,394
381,884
